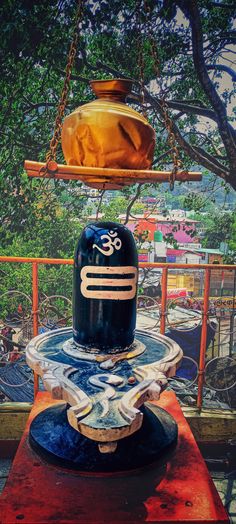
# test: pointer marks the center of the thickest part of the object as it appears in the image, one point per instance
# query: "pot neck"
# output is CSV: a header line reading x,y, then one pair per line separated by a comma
x,y
112,97
115,90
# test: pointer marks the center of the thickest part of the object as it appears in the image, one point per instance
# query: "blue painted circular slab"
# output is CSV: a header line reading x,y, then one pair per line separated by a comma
x,y
54,439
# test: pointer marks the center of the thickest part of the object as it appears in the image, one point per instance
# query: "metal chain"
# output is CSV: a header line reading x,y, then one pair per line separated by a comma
x,y
141,71
51,154
177,163
141,63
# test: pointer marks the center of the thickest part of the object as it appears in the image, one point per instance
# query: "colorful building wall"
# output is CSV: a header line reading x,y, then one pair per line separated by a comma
x,y
180,230
212,259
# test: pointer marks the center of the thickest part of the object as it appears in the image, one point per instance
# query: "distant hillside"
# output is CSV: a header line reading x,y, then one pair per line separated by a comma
x,y
221,197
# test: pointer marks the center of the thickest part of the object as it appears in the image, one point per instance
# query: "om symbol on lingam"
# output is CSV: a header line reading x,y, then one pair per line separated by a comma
x,y
111,244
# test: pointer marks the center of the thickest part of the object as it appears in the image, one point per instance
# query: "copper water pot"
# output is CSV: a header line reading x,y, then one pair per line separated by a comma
x,y
108,133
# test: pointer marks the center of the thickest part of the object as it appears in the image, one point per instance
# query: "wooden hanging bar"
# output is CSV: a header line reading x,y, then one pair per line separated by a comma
x,y
99,177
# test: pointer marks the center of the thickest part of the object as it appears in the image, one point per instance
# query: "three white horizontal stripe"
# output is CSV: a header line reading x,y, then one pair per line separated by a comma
x,y
88,281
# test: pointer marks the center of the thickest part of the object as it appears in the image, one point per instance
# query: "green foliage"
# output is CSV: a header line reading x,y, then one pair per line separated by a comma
x,y
218,228
194,202
118,206
115,207
52,236
231,256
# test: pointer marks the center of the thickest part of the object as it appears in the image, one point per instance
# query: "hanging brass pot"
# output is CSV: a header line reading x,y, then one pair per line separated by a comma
x,y
106,132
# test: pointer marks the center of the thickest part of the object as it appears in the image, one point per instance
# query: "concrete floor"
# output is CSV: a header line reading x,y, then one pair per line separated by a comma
x,y
5,465
225,484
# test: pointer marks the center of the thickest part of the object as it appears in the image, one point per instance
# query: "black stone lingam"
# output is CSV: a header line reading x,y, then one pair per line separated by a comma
x,y
105,288
103,368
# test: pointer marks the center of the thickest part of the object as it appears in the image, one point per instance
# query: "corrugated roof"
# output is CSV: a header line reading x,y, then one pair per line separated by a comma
x,y
159,218
180,252
209,251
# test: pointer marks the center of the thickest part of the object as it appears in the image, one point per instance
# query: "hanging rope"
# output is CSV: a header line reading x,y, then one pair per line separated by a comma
x,y
51,164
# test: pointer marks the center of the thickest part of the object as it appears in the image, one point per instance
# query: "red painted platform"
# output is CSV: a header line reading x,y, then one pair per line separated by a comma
x,y
181,490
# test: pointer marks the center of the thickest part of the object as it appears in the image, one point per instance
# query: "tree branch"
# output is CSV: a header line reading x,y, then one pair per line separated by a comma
x,y
132,202
210,157
220,67
100,203
185,107
160,157
223,6
208,140
192,152
191,10
38,105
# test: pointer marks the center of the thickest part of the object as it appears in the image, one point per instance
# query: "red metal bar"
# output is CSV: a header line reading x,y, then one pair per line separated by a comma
x,y
170,265
201,370
35,299
35,306
29,260
150,265
163,300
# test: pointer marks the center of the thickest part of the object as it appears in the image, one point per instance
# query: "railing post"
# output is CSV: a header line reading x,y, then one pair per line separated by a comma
x,y
201,369
35,305
232,317
163,300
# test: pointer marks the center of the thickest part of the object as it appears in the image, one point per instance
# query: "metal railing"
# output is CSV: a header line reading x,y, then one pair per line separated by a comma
x,y
161,304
